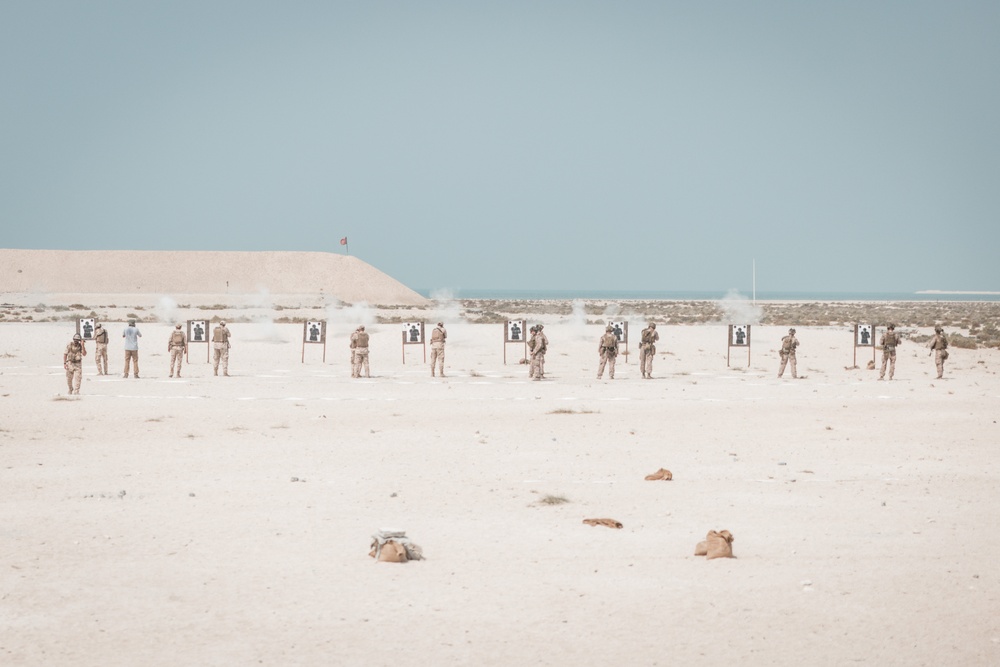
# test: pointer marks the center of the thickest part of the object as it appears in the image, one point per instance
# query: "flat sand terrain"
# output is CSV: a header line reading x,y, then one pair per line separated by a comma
x,y
227,521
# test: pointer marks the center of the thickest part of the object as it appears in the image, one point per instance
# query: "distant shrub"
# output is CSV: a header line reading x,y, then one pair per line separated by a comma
x,y
963,342
488,317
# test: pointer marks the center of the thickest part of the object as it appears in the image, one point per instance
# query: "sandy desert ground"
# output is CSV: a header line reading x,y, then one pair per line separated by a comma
x,y
227,521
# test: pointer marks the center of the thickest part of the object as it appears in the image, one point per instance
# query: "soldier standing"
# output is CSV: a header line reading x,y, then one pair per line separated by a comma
x,y
359,343
607,347
538,350
890,339
131,336
221,345
939,347
354,345
788,345
73,363
438,338
101,348
531,349
647,350
177,346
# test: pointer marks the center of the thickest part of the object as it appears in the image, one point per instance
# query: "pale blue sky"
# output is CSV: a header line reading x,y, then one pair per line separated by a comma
x,y
846,146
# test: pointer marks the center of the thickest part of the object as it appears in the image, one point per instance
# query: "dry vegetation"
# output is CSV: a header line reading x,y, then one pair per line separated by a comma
x,y
969,324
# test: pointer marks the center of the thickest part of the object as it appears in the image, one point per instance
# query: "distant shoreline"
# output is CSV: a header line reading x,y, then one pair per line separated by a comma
x,y
706,295
938,291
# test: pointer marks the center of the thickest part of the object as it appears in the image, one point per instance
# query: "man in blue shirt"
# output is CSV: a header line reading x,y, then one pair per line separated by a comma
x,y
131,336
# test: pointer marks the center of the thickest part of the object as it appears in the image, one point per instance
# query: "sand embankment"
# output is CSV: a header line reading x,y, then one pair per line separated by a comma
x,y
342,277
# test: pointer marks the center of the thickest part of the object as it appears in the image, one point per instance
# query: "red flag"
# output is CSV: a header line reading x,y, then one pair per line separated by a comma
x,y
343,241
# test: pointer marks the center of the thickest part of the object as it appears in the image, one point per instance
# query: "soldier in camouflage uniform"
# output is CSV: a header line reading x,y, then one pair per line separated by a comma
x,y
939,346
607,347
73,363
788,345
647,350
890,339
531,348
101,349
438,338
538,350
220,346
359,343
354,344
176,346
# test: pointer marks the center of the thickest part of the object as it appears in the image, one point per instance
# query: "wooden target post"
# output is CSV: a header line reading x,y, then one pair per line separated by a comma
x,y
85,326
413,334
620,330
515,332
197,332
313,333
739,336
864,336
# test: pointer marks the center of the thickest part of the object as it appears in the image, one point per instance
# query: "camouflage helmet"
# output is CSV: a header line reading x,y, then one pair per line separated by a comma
x,y
540,326
939,329
177,326
222,324
891,326
77,337
609,328
98,326
131,323
791,331
652,325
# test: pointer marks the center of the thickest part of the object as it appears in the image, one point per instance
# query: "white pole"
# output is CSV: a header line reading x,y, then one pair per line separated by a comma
x,y
755,282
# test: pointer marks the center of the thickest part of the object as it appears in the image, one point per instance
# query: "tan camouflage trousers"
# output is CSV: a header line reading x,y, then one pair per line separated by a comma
x,y
360,362
176,357
939,362
536,370
220,354
610,361
888,357
437,357
101,357
646,355
132,356
74,375
785,358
